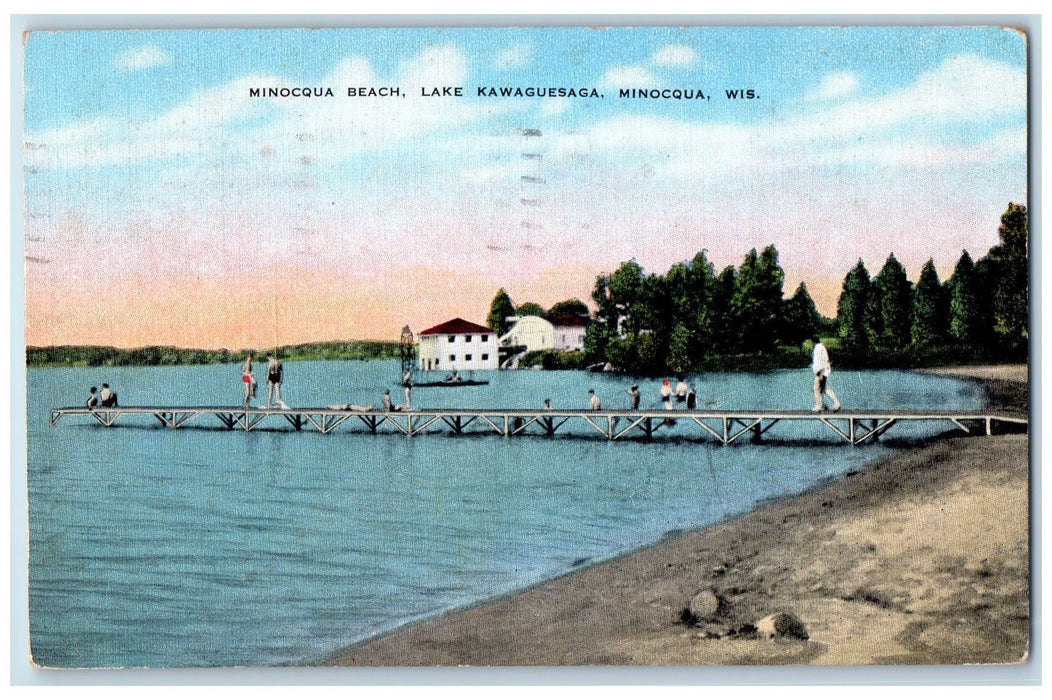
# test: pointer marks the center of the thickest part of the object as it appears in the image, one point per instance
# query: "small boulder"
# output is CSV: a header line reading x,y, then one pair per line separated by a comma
x,y
782,624
705,605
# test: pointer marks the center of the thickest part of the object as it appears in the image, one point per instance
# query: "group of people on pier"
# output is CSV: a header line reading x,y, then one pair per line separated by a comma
x,y
275,374
107,398
683,393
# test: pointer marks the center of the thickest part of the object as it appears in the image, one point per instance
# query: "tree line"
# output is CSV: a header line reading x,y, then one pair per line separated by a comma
x,y
103,356
694,318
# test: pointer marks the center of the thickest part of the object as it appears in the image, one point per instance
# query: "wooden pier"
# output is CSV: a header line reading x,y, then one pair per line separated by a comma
x,y
724,427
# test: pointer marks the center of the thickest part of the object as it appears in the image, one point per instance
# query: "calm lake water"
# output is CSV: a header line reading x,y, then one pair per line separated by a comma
x,y
152,547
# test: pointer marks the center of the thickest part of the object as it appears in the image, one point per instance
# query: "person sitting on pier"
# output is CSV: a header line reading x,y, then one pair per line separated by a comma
x,y
633,392
107,398
593,401
388,406
93,399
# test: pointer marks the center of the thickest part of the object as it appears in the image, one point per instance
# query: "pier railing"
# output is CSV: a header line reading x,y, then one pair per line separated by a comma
x,y
725,427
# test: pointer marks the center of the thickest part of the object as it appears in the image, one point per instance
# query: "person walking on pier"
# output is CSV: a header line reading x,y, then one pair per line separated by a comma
x,y
93,399
593,401
633,392
821,368
275,375
248,379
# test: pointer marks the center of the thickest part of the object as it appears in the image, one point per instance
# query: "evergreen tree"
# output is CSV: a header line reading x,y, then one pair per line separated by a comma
x,y
891,307
1011,306
756,305
930,309
851,309
802,320
964,309
725,339
499,310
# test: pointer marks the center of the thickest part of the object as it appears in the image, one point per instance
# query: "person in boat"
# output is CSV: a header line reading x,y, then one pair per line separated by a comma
x,y
821,368
593,401
107,397
275,375
633,393
248,379
93,398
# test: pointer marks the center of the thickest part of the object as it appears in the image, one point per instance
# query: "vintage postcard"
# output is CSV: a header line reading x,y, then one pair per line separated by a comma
x,y
530,346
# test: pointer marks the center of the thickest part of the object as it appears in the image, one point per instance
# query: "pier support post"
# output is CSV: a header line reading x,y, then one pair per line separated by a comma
x,y
757,433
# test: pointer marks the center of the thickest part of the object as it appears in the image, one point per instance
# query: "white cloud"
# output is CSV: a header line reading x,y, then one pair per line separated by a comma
x,y
515,56
142,58
674,56
836,85
627,77
224,122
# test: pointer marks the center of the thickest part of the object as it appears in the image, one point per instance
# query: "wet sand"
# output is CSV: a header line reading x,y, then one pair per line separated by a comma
x,y
922,558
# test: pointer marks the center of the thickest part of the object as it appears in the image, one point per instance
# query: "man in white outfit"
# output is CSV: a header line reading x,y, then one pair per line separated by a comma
x,y
822,369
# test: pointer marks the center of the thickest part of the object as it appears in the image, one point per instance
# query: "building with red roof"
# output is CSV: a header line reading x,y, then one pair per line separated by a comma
x,y
458,345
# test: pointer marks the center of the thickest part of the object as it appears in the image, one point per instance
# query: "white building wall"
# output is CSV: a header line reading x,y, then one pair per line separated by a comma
x,y
461,351
532,331
568,337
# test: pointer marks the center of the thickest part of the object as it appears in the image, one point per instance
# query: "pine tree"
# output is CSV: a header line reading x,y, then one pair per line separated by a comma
x,y
851,309
964,309
756,305
499,310
891,307
802,320
1011,306
930,309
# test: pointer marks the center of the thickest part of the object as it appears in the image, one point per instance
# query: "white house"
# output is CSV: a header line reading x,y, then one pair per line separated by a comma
x,y
568,333
531,332
458,345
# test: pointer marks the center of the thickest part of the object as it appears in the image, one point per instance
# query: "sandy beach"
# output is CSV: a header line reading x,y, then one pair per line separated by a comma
x,y
921,558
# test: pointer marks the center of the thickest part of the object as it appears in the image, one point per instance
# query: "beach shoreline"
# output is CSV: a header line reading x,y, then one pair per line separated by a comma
x,y
897,563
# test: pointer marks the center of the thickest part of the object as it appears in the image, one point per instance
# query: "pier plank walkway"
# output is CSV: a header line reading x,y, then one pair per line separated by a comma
x,y
725,427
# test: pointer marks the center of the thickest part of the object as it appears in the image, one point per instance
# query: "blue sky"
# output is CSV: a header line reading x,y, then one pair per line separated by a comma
x,y
143,148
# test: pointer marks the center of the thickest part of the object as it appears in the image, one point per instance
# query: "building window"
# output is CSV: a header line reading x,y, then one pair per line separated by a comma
x,y
467,358
485,338
452,338
452,358
485,356
467,338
